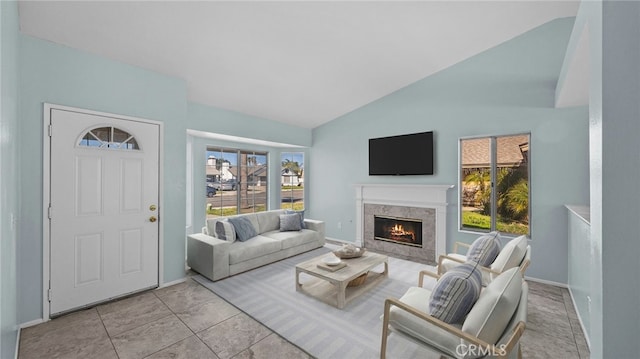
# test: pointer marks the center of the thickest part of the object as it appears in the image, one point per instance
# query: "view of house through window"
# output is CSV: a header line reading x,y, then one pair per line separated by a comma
x,y
237,181
292,180
494,184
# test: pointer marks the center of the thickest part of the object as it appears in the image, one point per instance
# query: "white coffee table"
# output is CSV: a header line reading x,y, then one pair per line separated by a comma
x,y
331,287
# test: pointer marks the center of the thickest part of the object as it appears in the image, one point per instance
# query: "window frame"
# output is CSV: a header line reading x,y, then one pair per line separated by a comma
x,y
292,155
493,167
238,152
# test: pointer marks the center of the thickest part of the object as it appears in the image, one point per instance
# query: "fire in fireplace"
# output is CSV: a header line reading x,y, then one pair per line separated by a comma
x,y
399,230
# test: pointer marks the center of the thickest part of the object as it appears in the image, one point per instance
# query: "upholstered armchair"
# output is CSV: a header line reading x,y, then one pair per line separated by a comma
x,y
516,253
492,328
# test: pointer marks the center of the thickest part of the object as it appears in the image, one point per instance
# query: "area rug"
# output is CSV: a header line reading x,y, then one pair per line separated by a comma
x,y
268,295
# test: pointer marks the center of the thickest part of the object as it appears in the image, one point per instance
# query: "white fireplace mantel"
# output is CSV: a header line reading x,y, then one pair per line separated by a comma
x,y
411,195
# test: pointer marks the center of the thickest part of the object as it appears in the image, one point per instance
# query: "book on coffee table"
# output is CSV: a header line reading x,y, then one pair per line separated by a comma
x,y
332,268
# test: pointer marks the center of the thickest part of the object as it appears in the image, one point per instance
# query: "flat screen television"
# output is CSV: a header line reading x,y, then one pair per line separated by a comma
x,y
410,154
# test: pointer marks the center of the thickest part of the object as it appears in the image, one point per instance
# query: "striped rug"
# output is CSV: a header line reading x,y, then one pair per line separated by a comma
x,y
268,295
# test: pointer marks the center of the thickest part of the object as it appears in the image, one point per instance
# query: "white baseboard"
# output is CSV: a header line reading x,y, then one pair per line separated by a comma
x,y
544,281
342,241
18,343
177,281
31,323
584,331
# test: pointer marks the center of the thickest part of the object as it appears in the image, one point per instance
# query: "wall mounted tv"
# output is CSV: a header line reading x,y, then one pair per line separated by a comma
x,y
410,154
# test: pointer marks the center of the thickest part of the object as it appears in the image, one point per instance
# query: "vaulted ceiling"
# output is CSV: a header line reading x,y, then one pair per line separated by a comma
x,y
300,63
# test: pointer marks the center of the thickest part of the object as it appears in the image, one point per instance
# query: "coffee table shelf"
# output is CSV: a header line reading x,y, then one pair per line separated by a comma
x,y
332,287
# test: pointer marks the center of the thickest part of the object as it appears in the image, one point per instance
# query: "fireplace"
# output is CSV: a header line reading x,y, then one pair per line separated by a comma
x,y
424,203
400,231
405,231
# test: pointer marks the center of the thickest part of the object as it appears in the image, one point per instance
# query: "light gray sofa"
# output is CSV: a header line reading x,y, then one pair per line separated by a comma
x,y
215,258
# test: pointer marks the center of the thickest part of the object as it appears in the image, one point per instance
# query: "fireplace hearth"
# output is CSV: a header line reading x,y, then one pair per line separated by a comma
x,y
405,231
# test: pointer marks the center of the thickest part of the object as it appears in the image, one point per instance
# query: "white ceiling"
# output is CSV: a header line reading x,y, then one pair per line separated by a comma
x,y
301,63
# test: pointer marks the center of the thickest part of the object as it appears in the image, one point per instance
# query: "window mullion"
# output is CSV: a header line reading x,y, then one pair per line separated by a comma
x,y
493,171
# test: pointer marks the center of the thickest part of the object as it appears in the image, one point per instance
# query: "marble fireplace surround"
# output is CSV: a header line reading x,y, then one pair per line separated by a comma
x,y
425,202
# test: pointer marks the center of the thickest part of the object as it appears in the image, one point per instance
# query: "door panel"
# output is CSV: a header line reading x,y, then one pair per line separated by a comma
x,y
88,259
104,178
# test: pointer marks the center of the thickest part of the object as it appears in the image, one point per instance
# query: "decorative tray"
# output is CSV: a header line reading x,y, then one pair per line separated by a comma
x,y
340,253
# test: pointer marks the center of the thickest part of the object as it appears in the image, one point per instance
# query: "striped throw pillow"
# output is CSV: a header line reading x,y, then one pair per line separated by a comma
x,y
225,231
485,249
455,293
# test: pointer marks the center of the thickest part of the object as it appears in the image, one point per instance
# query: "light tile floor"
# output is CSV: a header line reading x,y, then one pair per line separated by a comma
x,y
188,321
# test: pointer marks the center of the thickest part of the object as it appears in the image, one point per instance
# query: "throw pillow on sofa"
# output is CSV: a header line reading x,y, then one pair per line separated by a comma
x,y
300,214
243,227
485,249
455,293
290,222
225,231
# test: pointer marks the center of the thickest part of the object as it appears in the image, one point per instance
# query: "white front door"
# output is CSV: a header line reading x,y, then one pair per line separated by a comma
x,y
103,211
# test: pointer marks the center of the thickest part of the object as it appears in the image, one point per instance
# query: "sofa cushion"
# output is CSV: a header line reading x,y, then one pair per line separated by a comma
x,y
253,248
511,255
293,239
485,249
268,220
300,213
492,312
455,293
418,328
243,227
225,231
290,222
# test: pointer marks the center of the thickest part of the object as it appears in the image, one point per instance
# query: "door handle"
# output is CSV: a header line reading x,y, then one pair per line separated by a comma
x,y
152,219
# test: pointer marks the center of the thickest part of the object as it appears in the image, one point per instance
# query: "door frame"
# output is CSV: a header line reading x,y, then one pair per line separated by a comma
x,y
46,194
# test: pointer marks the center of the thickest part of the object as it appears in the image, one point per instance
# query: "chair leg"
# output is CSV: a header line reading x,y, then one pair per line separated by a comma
x,y
385,330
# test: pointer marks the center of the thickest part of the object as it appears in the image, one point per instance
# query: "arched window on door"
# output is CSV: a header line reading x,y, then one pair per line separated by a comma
x,y
109,137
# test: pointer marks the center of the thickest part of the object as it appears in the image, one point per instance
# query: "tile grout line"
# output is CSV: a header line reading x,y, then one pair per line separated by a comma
x,y
107,332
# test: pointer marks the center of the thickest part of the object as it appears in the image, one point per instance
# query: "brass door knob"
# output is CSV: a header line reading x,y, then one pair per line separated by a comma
x,y
152,219
152,207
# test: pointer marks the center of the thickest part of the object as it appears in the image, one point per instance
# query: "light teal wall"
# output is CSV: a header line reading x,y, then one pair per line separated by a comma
x,y
620,126
507,89
61,75
9,180
593,10
215,120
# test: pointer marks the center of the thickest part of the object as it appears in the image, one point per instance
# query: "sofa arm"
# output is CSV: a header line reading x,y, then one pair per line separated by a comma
x,y
208,256
315,225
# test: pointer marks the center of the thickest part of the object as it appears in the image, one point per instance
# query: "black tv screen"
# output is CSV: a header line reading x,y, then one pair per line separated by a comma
x,y
410,154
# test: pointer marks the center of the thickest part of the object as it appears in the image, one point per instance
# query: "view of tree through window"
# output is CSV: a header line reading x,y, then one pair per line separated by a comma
x,y
292,180
494,184
237,181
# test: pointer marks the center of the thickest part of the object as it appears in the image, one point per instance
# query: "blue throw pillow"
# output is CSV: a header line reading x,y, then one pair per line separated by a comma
x,y
455,293
244,228
299,213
